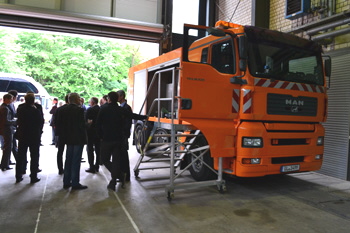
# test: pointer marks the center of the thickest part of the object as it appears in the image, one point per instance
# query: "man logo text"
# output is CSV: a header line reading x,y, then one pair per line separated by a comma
x,y
294,102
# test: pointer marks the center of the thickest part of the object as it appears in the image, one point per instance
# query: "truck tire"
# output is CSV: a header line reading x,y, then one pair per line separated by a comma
x,y
139,138
199,171
164,139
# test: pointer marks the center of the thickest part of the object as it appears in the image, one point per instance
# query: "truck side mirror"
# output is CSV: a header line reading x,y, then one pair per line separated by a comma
x,y
243,53
216,32
242,64
242,46
328,67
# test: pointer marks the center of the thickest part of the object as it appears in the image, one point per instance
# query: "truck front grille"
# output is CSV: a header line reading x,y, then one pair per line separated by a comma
x,y
278,104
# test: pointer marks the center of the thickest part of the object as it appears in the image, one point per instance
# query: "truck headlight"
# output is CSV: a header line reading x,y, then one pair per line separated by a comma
x,y
252,142
320,141
251,161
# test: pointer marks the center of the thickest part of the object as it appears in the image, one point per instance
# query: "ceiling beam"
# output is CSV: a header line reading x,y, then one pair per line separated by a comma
x,y
76,23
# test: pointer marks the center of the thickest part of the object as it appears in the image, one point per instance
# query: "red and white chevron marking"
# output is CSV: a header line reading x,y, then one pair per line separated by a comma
x,y
235,100
247,101
288,85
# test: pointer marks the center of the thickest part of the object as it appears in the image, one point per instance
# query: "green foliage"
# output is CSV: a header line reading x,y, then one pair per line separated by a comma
x,y
11,58
64,64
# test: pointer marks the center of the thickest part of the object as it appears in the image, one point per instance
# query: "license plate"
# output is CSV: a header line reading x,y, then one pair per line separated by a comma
x,y
290,168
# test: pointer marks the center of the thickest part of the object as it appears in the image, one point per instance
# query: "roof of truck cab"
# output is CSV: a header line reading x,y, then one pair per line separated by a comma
x,y
162,59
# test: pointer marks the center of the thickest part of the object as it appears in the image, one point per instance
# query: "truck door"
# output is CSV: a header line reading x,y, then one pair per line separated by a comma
x,y
205,80
209,101
140,89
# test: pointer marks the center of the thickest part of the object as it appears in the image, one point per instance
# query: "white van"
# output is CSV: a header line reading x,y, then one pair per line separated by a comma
x,y
22,84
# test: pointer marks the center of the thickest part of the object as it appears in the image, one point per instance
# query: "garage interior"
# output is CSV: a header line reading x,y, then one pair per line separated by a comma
x,y
306,202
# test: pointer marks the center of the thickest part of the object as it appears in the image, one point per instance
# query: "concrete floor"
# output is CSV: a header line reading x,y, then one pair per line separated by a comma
x,y
307,202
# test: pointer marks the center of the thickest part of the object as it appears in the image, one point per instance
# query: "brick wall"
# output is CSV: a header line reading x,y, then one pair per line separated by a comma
x,y
277,20
236,11
344,40
243,15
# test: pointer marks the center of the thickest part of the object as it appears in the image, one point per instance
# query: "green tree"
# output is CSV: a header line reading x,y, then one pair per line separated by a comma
x,y
63,64
11,58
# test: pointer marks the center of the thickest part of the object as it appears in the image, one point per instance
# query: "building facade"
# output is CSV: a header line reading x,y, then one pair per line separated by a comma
x,y
328,23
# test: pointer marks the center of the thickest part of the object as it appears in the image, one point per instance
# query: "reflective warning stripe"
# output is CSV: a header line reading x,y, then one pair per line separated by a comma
x,y
235,100
288,85
247,101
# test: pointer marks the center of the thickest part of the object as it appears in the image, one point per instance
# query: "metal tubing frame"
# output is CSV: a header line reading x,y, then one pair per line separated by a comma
x,y
174,142
158,100
172,148
151,84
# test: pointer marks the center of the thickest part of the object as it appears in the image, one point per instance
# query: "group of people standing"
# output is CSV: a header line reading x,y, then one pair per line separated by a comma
x,y
24,124
105,130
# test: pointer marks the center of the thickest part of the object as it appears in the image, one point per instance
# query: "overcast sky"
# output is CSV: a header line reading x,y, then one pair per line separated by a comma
x,y
184,11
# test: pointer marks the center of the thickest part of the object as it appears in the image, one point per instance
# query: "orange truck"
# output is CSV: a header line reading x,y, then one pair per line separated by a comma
x,y
255,97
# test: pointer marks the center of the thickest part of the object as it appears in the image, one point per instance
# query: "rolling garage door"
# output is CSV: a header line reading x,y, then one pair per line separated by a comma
x,y
336,154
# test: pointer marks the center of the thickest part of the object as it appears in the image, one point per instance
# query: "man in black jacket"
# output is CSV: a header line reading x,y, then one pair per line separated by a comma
x,y
59,142
73,133
127,122
52,121
110,129
30,124
93,141
14,94
7,130
40,108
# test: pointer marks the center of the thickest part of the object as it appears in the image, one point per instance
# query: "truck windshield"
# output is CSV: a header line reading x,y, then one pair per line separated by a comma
x,y
284,57
285,63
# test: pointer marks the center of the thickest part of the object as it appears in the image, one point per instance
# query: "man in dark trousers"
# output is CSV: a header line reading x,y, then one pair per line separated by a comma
x,y
127,122
52,121
30,124
40,108
7,130
14,94
110,129
93,141
59,140
73,133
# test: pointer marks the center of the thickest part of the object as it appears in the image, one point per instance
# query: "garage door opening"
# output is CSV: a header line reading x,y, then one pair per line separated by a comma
x,y
62,63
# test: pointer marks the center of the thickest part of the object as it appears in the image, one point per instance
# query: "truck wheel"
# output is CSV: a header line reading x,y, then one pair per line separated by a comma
x,y
198,169
139,138
160,139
